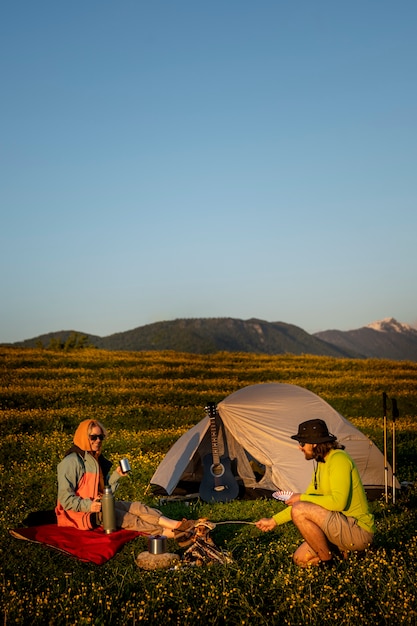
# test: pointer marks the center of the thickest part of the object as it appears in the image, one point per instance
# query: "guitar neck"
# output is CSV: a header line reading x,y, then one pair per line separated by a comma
x,y
212,412
214,444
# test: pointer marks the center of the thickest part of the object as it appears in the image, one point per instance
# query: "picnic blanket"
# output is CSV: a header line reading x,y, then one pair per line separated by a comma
x,y
91,546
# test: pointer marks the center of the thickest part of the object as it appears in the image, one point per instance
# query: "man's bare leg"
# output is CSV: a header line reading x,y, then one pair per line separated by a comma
x,y
305,556
309,519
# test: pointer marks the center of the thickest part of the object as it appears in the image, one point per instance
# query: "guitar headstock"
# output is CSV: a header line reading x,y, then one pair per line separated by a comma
x,y
211,409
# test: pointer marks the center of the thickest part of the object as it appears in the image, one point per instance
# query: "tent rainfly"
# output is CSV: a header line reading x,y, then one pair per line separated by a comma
x,y
254,427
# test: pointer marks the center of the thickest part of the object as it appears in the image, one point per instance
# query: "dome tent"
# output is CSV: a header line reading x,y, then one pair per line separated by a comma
x,y
254,426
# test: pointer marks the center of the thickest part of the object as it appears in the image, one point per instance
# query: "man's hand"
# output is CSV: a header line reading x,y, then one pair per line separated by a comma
x,y
266,523
294,498
120,472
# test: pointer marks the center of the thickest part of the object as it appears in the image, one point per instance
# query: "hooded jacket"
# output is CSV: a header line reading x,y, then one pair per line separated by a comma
x,y
82,475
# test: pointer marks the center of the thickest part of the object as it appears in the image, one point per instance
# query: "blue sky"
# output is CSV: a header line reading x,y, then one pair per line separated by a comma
x,y
173,159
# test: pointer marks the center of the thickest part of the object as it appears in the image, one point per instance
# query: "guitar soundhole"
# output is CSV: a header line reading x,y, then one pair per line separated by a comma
x,y
217,470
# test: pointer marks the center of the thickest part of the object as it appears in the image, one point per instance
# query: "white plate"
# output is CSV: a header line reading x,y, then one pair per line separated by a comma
x,y
283,496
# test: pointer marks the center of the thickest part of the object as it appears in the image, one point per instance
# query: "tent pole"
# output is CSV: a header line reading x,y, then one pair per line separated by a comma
x,y
395,414
384,406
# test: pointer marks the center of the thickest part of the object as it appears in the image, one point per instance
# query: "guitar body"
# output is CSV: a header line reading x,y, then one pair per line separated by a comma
x,y
218,483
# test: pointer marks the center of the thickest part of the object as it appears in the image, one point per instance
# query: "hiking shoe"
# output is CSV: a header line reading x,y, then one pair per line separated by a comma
x,y
186,526
184,534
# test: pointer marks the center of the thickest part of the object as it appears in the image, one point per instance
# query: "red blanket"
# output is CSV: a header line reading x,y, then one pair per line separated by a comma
x,y
92,546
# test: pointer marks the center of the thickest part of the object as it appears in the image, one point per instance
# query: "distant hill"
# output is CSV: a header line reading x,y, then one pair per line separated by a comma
x,y
204,336
387,339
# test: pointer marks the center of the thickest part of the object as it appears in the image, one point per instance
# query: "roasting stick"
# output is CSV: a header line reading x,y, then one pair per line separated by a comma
x,y
234,522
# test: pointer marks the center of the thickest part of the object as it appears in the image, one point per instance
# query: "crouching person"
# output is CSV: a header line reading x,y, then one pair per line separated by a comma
x,y
332,515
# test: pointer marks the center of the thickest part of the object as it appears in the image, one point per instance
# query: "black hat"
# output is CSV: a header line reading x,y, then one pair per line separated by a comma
x,y
313,431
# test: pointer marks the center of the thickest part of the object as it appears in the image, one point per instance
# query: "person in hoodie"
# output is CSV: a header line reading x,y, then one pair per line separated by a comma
x,y
82,474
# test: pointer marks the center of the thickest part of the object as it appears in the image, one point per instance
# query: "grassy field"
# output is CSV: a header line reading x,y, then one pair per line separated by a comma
x,y
147,400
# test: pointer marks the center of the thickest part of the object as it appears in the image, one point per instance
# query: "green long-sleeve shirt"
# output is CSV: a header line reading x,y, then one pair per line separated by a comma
x,y
336,486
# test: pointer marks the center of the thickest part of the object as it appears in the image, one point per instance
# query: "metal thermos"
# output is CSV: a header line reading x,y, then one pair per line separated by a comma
x,y
157,544
125,466
108,510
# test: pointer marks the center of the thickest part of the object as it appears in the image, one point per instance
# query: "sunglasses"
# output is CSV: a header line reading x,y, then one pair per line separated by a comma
x,y
95,437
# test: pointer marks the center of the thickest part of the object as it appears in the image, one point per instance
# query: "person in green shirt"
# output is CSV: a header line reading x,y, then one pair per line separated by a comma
x,y
332,514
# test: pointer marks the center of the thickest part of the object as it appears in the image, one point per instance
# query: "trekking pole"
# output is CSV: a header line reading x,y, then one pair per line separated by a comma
x,y
395,414
384,406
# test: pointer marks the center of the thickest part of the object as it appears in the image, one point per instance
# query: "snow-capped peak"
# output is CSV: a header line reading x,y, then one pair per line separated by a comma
x,y
389,324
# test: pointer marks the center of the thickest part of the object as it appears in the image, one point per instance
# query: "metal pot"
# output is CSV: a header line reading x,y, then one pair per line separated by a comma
x,y
157,544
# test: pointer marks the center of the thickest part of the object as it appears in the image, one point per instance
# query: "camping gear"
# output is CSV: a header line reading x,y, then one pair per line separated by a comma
x,y
89,546
283,496
255,425
203,550
157,544
184,533
218,483
108,510
395,414
213,525
384,410
125,466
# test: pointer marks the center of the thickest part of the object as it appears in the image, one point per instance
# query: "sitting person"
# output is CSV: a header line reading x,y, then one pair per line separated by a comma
x,y
332,514
82,474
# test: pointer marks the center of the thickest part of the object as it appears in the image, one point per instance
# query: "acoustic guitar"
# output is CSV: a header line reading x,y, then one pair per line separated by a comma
x,y
218,483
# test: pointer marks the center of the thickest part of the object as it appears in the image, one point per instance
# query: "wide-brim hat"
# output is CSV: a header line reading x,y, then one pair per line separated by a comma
x,y
313,431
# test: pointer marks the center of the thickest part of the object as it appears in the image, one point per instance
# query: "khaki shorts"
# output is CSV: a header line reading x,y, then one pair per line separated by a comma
x,y
345,533
138,516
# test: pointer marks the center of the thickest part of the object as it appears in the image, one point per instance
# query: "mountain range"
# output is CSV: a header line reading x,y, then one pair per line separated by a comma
x,y
385,339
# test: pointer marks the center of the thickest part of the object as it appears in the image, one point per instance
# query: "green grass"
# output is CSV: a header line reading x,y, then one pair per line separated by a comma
x,y
147,400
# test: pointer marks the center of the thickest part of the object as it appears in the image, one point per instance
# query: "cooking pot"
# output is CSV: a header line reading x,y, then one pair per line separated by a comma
x,y
157,544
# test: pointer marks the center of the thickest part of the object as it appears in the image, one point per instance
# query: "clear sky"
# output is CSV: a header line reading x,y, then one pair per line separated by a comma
x,y
183,158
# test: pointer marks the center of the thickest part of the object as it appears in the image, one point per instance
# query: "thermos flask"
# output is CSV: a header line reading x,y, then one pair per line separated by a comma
x,y
107,508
